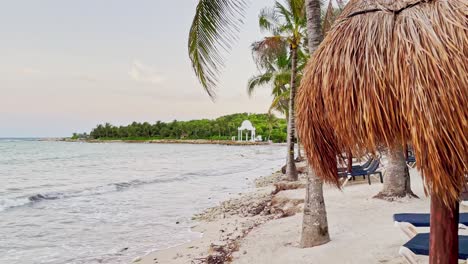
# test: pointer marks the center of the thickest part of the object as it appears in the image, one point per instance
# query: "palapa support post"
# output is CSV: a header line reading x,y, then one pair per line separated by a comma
x,y
444,232
349,155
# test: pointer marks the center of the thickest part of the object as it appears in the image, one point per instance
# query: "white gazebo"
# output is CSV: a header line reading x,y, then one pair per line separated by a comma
x,y
246,125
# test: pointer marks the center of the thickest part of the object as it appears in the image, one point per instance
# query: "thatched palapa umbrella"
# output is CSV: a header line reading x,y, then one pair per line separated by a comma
x,y
388,73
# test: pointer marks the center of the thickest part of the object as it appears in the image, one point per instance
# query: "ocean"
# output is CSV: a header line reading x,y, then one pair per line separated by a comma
x,y
76,203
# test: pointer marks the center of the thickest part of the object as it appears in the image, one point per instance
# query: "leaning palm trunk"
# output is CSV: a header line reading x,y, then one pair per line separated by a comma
x,y
314,223
291,170
397,182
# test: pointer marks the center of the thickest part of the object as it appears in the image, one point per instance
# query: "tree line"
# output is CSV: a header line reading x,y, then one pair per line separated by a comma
x,y
268,126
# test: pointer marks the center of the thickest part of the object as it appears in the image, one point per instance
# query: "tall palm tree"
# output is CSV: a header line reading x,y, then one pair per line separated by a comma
x,y
274,63
314,222
214,27
287,25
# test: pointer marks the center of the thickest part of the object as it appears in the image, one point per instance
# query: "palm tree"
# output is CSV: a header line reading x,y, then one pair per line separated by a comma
x,y
287,26
314,222
274,63
214,27
397,182
275,71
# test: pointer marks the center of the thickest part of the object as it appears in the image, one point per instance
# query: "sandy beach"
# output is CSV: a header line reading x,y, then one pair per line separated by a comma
x,y
361,228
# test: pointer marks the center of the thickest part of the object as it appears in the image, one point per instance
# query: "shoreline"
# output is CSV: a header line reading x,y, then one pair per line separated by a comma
x,y
165,141
222,227
264,227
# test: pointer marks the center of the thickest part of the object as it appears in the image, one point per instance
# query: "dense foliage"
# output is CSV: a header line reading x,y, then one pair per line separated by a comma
x,y
222,128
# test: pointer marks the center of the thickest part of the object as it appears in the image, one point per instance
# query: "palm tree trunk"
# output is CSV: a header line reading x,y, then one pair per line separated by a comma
x,y
299,153
291,170
314,223
397,182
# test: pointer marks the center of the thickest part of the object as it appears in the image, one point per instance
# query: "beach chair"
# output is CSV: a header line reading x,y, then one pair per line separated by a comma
x,y
371,170
363,166
411,161
419,245
408,222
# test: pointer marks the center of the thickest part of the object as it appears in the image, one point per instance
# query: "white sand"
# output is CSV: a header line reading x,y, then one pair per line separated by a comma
x,y
361,230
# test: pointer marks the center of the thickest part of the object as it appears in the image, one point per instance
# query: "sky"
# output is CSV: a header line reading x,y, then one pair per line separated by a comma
x,y
66,66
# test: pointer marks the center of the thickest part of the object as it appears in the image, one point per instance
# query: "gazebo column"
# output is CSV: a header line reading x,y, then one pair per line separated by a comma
x,y
444,232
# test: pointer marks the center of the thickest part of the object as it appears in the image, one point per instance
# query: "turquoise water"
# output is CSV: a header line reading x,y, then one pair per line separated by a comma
x,y
108,203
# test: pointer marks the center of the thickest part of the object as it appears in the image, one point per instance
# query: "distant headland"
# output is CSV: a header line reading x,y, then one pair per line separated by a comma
x,y
224,130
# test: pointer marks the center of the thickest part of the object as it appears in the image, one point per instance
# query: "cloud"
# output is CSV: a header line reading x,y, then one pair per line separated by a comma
x,y
29,71
144,73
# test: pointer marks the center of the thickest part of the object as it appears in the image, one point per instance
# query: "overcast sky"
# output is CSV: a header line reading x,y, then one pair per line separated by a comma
x,y
66,66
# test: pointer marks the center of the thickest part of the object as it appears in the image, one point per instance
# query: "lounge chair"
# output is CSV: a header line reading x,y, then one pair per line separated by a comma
x,y
411,160
372,169
408,222
364,166
419,245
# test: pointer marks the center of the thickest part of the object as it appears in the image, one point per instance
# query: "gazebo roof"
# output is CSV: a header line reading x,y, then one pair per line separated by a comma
x,y
247,125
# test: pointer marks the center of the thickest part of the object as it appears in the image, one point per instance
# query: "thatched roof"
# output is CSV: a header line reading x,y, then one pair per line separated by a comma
x,y
391,72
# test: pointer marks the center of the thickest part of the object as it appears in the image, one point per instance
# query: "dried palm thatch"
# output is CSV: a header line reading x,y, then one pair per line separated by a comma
x,y
391,72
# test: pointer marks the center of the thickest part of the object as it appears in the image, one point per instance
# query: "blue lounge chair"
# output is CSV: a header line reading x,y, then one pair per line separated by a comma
x,y
423,220
372,169
364,166
419,245
411,160
408,222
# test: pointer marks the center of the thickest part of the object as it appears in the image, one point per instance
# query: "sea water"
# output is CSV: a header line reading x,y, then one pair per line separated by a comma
x,y
77,203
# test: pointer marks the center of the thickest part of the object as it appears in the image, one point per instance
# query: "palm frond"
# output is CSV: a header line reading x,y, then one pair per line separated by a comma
x,y
329,18
297,8
215,26
268,20
282,78
280,102
283,12
267,49
257,81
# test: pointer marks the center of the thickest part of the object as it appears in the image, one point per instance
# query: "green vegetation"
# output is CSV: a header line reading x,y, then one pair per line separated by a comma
x,y
222,128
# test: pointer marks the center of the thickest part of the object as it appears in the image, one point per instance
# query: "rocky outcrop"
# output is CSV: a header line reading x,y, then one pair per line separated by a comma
x,y
301,169
287,185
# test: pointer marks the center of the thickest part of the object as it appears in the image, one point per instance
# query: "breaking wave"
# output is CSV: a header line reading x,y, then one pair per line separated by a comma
x,y
10,203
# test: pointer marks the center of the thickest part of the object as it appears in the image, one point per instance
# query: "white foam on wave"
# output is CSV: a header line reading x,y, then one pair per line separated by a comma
x,y
10,203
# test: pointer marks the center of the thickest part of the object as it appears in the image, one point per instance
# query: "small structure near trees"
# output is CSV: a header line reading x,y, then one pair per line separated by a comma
x,y
247,127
